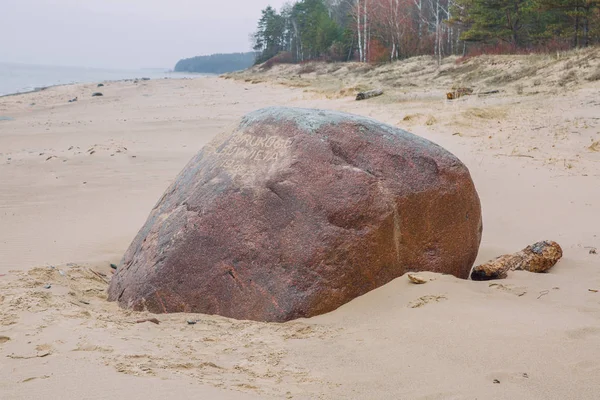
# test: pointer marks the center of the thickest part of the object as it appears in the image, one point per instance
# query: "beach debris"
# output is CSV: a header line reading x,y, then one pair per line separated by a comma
x,y
73,100
593,290
113,266
48,286
488,92
4,339
368,94
145,79
496,381
153,320
593,250
32,378
543,293
191,322
595,146
38,355
97,94
50,158
459,92
538,257
525,375
99,275
416,279
100,84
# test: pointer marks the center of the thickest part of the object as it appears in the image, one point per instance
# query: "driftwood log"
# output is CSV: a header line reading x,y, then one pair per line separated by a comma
x,y
538,257
368,94
459,92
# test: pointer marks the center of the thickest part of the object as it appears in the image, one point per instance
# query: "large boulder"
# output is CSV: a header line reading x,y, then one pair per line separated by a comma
x,y
297,212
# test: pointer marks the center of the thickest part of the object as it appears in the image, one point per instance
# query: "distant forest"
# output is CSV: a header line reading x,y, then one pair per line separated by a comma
x,y
217,63
387,30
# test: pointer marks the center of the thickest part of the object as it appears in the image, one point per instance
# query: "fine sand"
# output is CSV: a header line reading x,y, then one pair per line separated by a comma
x,y
77,180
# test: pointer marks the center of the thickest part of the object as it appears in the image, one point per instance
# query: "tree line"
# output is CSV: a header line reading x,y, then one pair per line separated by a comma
x,y
384,30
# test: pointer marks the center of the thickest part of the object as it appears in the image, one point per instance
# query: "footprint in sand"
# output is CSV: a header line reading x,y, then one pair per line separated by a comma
x,y
583,333
423,300
499,377
516,290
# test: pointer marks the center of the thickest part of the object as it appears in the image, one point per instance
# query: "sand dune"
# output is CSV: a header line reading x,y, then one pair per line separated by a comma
x,y
79,179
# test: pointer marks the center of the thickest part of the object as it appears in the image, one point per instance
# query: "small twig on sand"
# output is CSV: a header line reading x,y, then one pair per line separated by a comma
x,y
488,92
39,355
515,155
543,293
153,320
99,275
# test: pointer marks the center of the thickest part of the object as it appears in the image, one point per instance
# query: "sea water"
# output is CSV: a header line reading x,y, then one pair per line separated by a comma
x,y
21,78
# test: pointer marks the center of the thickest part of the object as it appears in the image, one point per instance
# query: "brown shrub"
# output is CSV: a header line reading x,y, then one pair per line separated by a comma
x,y
307,68
594,76
285,57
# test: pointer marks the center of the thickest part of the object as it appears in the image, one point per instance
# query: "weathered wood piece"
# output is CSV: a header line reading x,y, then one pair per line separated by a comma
x,y
368,94
459,92
539,257
417,280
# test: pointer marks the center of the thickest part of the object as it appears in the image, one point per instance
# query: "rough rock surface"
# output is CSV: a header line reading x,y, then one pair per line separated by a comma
x,y
296,212
538,257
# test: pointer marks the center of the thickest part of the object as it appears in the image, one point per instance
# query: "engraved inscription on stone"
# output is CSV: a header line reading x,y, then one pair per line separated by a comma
x,y
244,150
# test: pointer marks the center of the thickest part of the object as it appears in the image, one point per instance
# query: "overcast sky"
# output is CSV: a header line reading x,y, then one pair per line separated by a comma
x,y
124,33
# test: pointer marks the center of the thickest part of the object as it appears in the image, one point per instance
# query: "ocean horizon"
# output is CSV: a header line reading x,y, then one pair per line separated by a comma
x,y
18,78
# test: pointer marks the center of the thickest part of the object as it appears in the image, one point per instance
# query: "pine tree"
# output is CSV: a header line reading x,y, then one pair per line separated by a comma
x,y
269,37
492,20
577,17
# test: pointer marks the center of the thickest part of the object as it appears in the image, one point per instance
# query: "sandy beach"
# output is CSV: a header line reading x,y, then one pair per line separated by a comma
x,y
77,181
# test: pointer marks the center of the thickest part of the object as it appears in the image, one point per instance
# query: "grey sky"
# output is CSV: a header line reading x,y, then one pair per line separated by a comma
x,y
124,33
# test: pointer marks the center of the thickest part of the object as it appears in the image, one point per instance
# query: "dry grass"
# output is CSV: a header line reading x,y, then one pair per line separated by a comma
x,y
295,84
594,76
430,121
307,68
490,113
362,68
567,78
509,73
519,88
351,91
411,117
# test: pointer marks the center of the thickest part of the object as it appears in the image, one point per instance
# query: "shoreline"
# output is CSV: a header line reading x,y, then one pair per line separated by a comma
x,y
42,88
